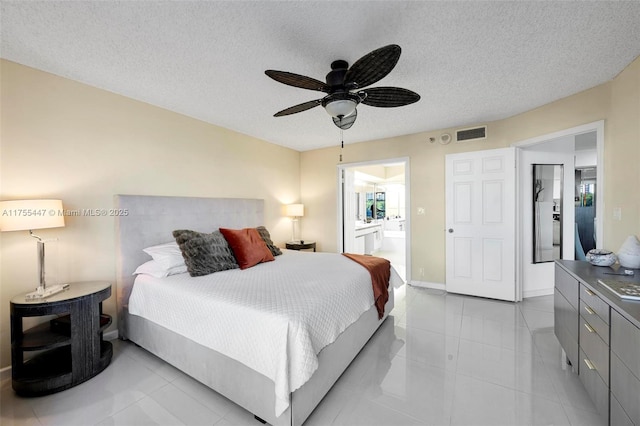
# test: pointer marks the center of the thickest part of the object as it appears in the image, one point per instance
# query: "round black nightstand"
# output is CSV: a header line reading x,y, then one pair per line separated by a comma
x,y
69,349
301,245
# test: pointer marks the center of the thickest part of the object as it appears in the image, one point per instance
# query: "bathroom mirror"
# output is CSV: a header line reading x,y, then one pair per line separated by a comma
x,y
547,212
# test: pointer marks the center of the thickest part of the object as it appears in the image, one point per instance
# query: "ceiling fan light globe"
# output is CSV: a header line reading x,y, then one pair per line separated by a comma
x,y
340,107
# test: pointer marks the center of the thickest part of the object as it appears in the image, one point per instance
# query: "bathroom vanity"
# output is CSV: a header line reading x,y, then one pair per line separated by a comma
x,y
368,237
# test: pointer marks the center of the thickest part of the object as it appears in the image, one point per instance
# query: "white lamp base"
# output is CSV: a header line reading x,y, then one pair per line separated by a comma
x,y
293,228
42,292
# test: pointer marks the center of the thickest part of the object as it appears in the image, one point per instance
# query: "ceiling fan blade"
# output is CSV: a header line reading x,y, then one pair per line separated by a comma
x,y
298,108
346,122
373,66
297,80
388,97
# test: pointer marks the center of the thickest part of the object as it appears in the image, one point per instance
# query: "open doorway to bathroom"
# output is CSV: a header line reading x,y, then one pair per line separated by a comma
x,y
374,210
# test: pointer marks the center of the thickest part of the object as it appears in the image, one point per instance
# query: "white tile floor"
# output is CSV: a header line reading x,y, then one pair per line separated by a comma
x,y
439,359
397,259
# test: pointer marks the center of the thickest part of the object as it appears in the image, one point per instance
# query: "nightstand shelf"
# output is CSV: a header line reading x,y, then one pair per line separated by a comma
x,y
41,337
62,324
66,351
52,367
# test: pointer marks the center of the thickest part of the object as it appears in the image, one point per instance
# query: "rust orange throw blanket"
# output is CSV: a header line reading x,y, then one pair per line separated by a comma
x,y
380,270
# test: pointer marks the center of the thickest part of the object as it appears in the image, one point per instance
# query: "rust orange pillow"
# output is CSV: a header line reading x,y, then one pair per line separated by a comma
x,y
248,246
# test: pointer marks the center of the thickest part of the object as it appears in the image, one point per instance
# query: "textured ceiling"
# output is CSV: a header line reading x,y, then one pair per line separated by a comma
x,y
472,62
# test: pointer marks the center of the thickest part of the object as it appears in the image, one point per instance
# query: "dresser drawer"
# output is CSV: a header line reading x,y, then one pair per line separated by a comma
x,y
625,386
596,388
617,415
595,350
568,286
625,342
596,304
594,320
566,327
567,315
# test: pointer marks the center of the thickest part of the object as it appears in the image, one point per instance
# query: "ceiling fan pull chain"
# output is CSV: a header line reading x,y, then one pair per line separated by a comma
x,y
341,143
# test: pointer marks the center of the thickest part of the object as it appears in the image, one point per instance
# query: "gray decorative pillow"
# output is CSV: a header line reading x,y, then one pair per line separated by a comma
x,y
203,253
264,234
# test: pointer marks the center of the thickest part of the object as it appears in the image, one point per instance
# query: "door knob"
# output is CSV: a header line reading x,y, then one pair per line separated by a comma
x,y
451,230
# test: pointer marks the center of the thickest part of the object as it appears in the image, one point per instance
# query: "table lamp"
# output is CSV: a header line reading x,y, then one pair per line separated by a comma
x,y
295,211
22,215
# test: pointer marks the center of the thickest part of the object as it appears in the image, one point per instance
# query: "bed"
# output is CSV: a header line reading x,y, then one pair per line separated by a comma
x,y
150,220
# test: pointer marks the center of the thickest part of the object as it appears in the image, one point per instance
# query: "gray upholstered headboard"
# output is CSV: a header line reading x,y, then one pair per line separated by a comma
x,y
150,220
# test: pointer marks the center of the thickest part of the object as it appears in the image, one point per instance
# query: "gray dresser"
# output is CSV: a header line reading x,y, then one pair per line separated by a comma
x,y
600,334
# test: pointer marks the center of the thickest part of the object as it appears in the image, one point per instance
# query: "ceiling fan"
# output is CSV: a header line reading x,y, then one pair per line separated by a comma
x,y
345,86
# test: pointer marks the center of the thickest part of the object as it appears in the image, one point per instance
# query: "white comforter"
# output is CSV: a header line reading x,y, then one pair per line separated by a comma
x,y
274,318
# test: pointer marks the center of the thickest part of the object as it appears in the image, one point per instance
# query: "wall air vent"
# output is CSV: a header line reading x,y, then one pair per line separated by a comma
x,y
466,135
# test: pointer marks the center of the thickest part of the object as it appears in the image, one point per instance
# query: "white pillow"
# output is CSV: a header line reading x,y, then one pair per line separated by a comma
x,y
167,254
155,269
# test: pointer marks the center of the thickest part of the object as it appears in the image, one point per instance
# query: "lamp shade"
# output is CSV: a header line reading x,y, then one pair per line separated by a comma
x,y
21,215
295,210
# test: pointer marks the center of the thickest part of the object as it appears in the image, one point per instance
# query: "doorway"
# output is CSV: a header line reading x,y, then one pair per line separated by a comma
x,y
373,211
580,151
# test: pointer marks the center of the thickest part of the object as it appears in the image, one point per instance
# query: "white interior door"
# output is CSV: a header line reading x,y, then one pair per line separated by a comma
x,y
480,220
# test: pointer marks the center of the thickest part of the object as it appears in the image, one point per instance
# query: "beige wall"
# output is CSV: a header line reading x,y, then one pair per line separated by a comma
x,y
62,139
617,102
622,157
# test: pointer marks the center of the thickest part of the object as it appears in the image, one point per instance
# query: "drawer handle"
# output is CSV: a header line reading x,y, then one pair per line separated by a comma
x,y
588,309
588,327
590,365
589,292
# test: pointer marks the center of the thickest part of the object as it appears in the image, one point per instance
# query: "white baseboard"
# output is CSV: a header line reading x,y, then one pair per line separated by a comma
x,y
442,286
537,292
425,284
110,335
5,373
